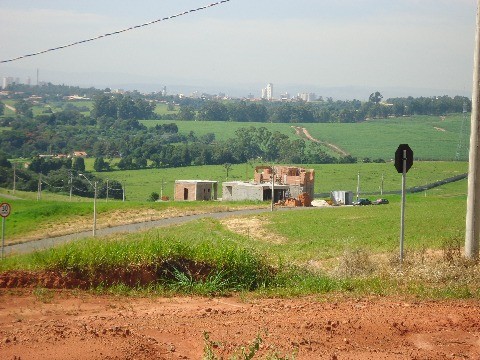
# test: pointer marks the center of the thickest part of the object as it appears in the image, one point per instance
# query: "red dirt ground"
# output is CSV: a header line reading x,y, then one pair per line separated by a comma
x,y
72,324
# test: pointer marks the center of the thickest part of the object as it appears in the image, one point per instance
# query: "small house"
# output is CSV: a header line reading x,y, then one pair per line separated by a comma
x,y
195,190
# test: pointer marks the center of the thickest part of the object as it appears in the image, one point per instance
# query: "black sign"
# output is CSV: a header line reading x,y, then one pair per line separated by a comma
x,y
399,158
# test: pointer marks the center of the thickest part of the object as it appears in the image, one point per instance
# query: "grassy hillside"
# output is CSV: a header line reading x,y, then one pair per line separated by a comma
x,y
139,184
352,250
430,137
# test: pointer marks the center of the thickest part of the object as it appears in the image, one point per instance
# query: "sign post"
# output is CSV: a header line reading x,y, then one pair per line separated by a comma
x,y
5,209
403,163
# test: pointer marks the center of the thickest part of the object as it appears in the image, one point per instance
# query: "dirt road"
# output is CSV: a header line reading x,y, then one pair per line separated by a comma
x,y
303,132
76,325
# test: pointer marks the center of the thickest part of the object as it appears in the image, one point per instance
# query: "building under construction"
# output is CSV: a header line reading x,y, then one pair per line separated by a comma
x,y
281,182
195,190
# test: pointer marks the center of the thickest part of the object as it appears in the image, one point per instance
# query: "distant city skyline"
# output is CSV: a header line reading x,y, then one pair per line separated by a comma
x,y
342,49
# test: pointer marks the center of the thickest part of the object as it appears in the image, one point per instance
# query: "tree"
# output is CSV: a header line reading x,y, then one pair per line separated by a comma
x,y
4,161
22,107
213,111
186,113
375,97
78,164
126,163
2,108
104,105
227,167
101,165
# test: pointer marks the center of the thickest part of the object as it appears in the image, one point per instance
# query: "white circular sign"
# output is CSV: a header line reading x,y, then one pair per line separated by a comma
x,y
5,209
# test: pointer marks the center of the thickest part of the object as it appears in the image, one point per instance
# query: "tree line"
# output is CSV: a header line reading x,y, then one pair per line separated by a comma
x,y
329,111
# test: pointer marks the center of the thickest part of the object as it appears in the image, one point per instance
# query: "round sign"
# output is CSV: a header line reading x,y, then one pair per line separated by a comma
x,y
5,209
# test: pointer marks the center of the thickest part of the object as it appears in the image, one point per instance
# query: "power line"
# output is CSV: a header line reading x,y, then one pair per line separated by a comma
x,y
116,32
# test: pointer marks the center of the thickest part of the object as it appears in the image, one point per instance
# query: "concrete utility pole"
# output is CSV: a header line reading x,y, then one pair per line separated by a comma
x,y
273,187
358,185
14,177
473,201
94,185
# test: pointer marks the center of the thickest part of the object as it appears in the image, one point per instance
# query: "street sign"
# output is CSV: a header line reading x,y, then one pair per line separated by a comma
x,y
5,209
399,158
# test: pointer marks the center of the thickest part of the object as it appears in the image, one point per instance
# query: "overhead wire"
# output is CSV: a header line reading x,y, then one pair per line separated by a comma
x,y
116,32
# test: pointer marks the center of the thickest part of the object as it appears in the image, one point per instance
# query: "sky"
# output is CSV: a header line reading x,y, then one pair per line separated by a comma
x,y
336,48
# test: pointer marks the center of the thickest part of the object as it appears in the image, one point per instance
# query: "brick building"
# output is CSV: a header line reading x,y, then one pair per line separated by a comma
x,y
195,190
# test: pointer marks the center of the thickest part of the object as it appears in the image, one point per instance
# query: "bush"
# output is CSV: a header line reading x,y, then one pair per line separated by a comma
x,y
153,197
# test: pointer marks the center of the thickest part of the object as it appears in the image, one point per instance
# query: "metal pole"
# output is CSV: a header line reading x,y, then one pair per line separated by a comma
x,y
3,237
106,200
472,230
123,192
95,209
402,215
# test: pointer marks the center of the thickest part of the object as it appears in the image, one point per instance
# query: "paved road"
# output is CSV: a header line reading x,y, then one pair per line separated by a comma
x,y
35,245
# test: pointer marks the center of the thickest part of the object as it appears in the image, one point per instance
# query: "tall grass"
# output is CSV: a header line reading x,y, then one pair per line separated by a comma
x,y
207,265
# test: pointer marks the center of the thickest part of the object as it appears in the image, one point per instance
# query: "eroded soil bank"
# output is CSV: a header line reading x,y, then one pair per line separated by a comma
x,y
52,324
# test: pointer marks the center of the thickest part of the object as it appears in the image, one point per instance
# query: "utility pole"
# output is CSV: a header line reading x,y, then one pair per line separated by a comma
x,y
39,187
381,187
71,184
94,185
95,209
14,176
358,185
106,200
123,192
273,186
473,200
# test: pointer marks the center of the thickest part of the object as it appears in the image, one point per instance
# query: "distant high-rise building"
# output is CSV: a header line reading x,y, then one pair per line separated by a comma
x,y
267,93
7,81
307,97
28,81
164,91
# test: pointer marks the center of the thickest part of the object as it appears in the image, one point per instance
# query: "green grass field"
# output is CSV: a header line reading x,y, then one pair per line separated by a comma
x,y
162,109
430,137
318,251
140,184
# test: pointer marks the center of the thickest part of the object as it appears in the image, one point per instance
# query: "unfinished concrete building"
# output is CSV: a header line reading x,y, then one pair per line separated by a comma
x,y
195,190
341,197
298,180
289,182
239,190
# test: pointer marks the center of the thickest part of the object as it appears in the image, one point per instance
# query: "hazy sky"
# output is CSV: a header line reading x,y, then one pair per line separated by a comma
x,y
242,45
